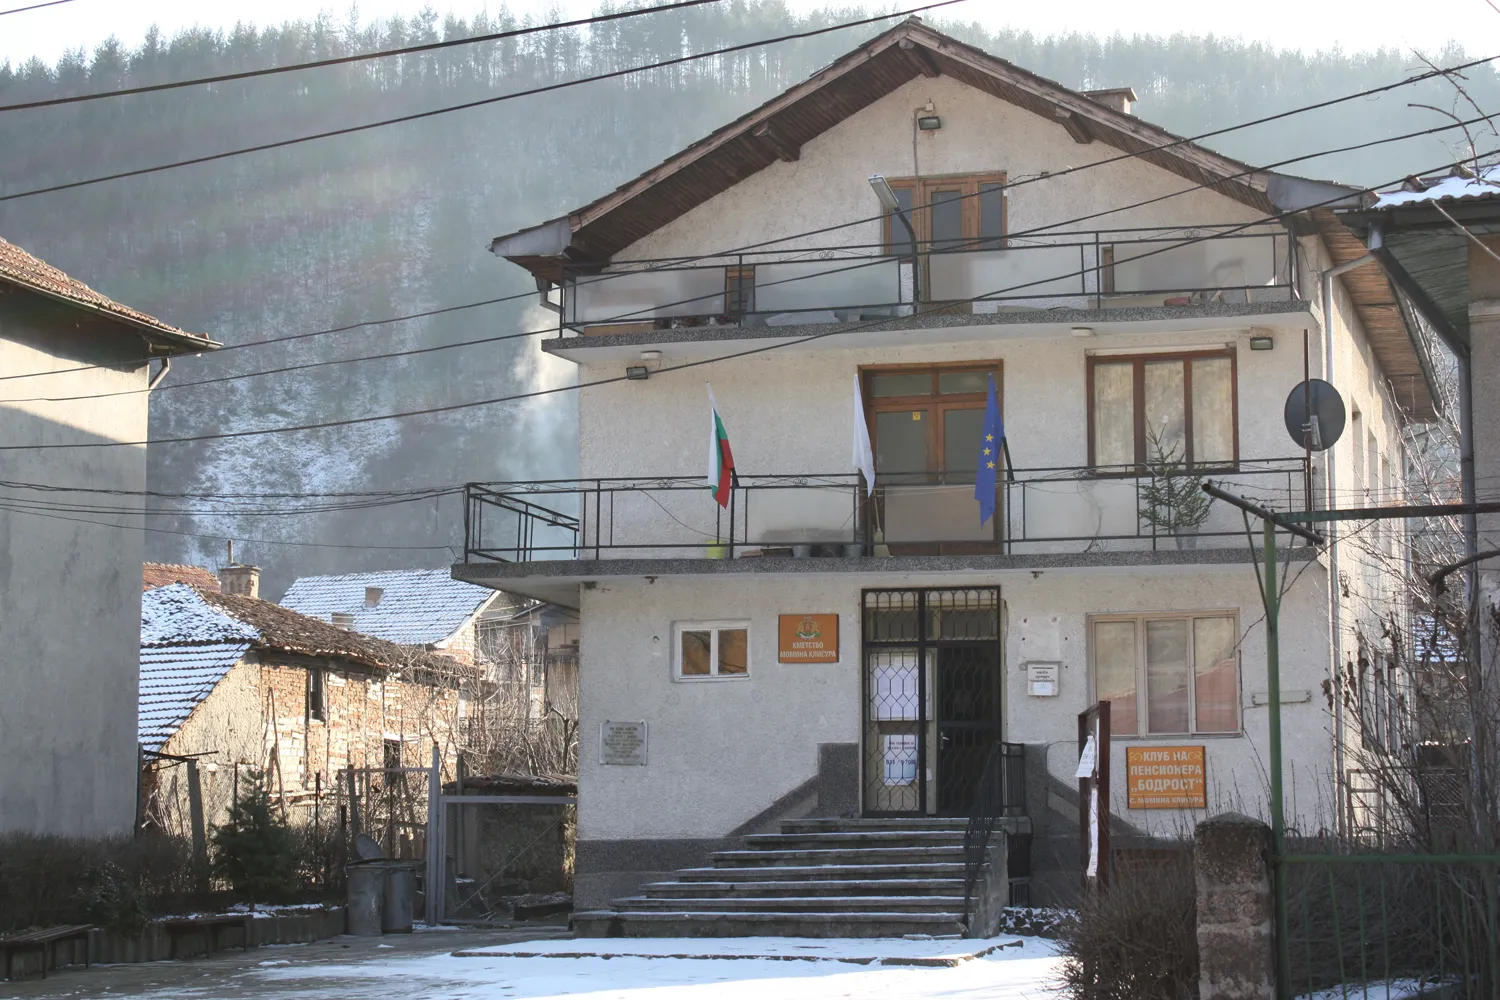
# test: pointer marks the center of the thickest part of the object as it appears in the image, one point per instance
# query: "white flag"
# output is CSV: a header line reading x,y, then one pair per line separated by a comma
x,y
864,457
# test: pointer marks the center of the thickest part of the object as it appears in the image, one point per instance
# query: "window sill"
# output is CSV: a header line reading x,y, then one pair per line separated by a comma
x,y
709,678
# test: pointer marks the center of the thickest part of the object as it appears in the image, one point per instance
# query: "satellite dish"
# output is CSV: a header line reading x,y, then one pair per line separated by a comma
x,y
1315,415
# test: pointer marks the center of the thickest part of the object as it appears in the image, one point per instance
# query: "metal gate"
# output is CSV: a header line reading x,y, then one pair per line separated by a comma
x,y
931,697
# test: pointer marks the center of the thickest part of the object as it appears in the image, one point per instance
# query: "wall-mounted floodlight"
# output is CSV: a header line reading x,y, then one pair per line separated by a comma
x,y
929,123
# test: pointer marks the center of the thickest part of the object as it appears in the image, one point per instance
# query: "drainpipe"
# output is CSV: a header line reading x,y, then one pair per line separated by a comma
x,y
161,373
1331,483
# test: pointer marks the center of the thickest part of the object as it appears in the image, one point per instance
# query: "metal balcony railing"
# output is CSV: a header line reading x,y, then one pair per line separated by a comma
x,y
1037,510
1102,269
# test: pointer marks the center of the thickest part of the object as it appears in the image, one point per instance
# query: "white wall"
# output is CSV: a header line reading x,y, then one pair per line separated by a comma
x,y
722,751
69,591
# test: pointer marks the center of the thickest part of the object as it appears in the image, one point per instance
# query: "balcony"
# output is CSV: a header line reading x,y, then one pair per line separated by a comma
x,y
802,523
1100,276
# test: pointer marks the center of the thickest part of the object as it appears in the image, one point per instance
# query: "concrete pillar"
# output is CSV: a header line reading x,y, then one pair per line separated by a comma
x,y
1236,944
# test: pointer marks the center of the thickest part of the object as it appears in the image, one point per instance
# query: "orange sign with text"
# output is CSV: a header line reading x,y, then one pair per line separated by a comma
x,y
808,639
1165,778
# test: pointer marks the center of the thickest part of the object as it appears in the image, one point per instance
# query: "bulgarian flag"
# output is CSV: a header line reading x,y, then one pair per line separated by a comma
x,y
720,460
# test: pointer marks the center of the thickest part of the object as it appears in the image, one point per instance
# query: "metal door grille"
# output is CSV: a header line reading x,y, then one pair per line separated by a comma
x,y
931,697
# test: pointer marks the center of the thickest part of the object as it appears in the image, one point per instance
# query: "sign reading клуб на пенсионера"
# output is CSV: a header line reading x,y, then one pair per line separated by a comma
x,y
807,639
1166,778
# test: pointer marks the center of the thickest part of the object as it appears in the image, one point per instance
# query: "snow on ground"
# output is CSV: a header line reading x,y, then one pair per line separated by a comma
x,y
863,951
1013,973
1394,989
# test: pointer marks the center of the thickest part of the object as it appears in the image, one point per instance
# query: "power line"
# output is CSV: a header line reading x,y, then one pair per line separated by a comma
x,y
352,129
452,407
1408,81
345,60
222,538
872,262
35,6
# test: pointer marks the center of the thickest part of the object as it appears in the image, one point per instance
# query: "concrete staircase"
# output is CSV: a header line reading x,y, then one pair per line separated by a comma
x,y
816,878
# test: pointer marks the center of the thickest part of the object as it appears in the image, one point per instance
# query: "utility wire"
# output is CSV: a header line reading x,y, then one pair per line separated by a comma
x,y
863,263
536,393
826,229
345,60
35,6
482,102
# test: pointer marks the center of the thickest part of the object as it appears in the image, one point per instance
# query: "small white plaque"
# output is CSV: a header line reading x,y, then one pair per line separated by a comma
x,y
622,743
1042,678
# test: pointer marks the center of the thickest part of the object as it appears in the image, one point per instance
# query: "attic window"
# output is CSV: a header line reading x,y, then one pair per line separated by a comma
x,y
373,596
343,619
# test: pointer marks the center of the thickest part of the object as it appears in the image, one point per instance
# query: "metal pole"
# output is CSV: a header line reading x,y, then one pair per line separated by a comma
x,y
1272,601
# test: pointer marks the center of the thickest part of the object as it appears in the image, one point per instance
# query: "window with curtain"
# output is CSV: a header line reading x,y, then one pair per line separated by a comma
x,y
1167,675
954,212
708,650
1181,407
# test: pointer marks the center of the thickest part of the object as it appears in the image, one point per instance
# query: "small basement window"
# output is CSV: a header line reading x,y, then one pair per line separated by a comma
x,y
706,650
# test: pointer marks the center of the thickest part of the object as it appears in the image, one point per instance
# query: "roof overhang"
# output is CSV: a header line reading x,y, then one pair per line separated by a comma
x,y
778,129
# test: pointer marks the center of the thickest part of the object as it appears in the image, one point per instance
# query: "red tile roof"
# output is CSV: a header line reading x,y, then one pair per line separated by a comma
x,y
18,267
163,574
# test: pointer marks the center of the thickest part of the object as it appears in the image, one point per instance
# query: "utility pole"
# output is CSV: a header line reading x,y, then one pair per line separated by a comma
x,y
1270,597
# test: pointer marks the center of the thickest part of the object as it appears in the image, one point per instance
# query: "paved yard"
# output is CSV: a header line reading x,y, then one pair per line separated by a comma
x,y
422,966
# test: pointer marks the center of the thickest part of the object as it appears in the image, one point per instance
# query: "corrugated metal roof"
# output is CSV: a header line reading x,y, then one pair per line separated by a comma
x,y
175,680
417,606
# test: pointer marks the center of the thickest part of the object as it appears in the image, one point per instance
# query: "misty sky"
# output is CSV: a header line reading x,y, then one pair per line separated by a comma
x,y
1298,24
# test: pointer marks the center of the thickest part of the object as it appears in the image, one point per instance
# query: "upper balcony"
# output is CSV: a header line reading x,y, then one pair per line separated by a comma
x,y
542,538
1121,279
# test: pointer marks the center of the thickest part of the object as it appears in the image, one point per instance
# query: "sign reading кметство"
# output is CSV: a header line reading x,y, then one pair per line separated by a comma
x,y
807,639
1165,778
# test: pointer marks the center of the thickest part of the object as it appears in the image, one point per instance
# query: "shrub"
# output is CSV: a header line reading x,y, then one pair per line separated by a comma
x,y
1138,940
117,882
254,850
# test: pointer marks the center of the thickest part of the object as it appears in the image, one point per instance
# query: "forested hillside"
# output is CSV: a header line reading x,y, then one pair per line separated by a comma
x,y
395,220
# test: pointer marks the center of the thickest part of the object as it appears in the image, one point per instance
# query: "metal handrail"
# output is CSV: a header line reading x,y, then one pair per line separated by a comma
x,y
586,518
1001,792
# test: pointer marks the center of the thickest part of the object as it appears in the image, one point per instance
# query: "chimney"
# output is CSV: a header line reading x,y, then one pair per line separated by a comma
x,y
237,579
343,619
1115,98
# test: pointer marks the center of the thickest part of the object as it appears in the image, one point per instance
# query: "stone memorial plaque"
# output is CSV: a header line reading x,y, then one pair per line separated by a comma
x,y
622,743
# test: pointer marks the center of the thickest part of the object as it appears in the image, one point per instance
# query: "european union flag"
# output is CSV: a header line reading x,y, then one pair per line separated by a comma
x,y
991,438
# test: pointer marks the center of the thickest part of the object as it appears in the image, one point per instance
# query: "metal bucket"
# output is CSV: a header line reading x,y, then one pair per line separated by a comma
x,y
367,890
400,898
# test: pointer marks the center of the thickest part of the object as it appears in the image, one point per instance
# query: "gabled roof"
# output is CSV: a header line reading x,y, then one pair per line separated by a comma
x,y
191,639
165,574
21,269
779,128
422,606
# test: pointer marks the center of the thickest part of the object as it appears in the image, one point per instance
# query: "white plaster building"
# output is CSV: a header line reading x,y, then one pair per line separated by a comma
x,y
1121,286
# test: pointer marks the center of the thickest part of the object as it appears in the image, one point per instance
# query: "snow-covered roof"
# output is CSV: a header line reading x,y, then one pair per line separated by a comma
x,y
418,606
190,639
175,680
1453,188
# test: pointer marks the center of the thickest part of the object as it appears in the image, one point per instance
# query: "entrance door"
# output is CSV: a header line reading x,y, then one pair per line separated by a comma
x,y
932,688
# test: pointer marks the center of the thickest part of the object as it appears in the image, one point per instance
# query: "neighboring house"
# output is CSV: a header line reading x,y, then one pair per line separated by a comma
x,y
165,574
69,579
247,685
806,651
512,637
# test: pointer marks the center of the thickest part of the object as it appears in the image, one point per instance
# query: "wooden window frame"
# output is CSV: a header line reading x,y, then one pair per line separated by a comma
x,y
937,403
714,626
1142,693
739,290
1138,413
317,694
921,216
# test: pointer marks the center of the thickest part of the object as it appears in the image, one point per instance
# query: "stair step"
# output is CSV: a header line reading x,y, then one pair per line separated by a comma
x,y
741,923
856,838
838,856
876,823
809,887
952,905
940,869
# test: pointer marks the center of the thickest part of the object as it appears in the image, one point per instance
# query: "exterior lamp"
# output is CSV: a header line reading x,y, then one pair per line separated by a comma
x,y
1262,343
929,123
887,199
